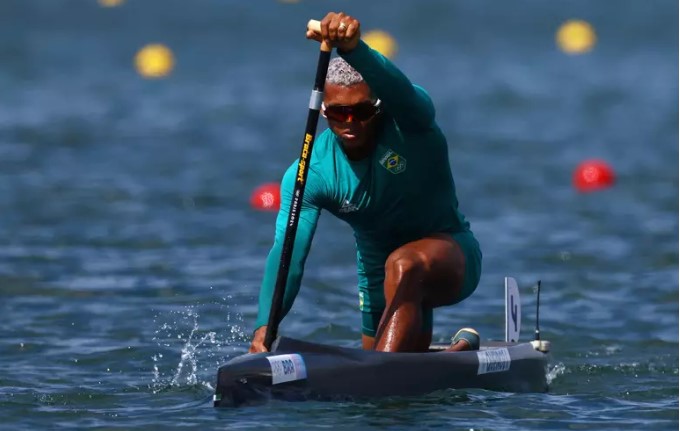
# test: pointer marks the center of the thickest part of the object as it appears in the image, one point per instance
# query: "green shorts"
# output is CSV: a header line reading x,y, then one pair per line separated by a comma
x,y
473,270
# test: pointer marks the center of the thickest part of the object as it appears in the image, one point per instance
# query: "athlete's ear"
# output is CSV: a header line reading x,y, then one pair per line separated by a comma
x,y
323,110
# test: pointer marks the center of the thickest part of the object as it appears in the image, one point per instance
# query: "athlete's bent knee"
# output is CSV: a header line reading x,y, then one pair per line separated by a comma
x,y
403,277
403,264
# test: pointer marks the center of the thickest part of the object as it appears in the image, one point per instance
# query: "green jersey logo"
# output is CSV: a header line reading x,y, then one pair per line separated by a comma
x,y
393,162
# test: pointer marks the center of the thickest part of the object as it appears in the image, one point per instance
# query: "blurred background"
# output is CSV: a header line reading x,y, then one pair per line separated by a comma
x,y
134,139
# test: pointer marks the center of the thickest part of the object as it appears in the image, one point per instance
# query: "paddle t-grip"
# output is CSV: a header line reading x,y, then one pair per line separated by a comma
x,y
315,26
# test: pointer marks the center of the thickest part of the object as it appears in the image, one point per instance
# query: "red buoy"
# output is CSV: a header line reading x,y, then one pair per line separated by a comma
x,y
592,175
266,197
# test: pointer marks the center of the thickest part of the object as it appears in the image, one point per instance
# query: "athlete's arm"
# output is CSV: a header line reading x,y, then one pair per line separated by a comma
x,y
409,104
309,216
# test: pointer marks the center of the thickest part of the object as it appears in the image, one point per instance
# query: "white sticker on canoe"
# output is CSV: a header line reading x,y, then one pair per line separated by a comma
x,y
493,361
286,368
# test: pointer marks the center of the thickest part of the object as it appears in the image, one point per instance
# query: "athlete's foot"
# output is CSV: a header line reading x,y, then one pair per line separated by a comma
x,y
465,339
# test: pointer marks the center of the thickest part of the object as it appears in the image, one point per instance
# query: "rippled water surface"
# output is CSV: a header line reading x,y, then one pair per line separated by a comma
x,y
130,259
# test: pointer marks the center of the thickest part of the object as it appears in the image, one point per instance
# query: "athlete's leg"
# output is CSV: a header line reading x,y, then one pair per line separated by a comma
x,y
369,325
367,342
424,273
371,321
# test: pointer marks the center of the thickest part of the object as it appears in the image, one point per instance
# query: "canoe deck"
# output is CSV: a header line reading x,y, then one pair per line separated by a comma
x,y
298,370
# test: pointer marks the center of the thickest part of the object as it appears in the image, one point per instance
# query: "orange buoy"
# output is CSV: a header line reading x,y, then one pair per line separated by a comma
x,y
266,197
592,175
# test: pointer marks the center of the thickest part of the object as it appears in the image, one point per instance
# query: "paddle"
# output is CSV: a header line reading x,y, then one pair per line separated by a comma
x,y
298,190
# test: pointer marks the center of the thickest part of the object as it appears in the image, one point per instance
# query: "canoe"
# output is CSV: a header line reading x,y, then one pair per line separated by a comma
x,y
297,370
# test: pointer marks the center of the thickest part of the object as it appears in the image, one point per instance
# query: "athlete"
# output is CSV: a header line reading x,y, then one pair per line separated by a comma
x,y
383,167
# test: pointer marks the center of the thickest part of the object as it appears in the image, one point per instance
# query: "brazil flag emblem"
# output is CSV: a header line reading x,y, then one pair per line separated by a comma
x,y
393,162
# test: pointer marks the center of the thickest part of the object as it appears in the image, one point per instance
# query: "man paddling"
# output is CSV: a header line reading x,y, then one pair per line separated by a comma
x,y
381,166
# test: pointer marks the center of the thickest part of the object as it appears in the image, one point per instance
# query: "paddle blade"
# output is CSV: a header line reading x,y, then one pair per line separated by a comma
x,y
513,310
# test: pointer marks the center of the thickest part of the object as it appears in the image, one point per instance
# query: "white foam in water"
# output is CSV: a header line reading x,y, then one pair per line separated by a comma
x,y
200,353
613,349
557,370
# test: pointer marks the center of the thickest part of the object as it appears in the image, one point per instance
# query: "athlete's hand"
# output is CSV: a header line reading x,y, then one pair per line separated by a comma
x,y
257,345
341,30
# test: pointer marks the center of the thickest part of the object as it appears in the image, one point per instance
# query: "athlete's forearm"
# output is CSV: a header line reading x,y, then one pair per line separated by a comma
x,y
409,105
309,215
269,282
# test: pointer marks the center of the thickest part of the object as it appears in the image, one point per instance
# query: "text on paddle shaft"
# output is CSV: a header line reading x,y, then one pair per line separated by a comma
x,y
303,158
294,208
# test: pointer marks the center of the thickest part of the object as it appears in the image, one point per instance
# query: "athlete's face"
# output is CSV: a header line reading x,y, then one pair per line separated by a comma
x,y
352,115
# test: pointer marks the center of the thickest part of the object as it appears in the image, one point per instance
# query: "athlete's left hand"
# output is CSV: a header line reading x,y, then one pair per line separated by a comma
x,y
341,30
257,344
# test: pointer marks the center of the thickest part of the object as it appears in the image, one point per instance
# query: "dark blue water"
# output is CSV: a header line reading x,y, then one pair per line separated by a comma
x,y
130,259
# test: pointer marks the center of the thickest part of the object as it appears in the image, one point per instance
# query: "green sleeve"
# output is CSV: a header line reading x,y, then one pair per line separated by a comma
x,y
309,215
409,104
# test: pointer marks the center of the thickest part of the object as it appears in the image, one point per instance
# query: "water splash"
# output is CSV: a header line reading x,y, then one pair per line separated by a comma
x,y
201,351
555,371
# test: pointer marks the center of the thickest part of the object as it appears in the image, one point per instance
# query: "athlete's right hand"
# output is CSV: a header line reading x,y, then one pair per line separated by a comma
x,y
257,345
341,30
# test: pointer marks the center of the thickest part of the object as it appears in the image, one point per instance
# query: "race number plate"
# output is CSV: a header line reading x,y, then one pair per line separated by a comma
x,y
287,368
493,361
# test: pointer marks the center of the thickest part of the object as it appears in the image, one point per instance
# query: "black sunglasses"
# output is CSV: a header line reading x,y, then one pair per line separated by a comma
x,y
347,113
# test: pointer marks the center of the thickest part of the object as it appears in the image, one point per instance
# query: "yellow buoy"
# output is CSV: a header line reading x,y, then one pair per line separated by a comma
x,y
382,42
154,61
576,37
110,3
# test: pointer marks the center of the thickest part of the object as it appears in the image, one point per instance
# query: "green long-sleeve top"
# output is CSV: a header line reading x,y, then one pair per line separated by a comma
x,y
402,192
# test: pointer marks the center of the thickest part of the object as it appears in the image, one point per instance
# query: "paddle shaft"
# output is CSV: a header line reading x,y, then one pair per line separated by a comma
x,y
298,191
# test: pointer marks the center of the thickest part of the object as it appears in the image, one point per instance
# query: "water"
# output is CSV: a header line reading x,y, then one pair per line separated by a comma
x,y
130,259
